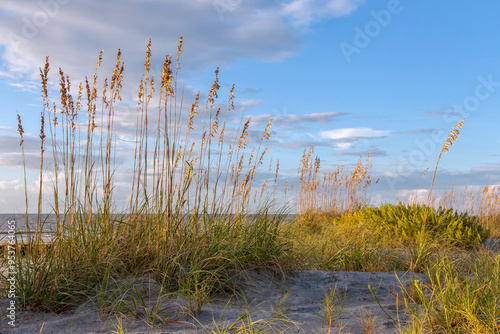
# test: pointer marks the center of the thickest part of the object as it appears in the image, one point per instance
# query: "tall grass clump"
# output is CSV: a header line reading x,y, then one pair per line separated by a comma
x,y
335,193
482,203
324,232
322,199
193,220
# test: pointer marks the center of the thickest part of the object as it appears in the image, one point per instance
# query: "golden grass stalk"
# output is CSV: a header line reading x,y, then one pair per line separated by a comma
x,y
452,137
20,130
44,77
336,192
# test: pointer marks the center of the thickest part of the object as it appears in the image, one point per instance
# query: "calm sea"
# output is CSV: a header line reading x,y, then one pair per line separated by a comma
x,y
18,221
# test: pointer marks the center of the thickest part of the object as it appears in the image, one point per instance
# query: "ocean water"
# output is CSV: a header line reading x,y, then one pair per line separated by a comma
x,y
16,223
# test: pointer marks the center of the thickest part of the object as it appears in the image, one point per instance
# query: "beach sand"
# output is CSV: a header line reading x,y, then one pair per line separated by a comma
x,y
293,303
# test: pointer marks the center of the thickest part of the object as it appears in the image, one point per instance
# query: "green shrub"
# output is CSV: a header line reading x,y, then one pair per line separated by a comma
x,y
404,222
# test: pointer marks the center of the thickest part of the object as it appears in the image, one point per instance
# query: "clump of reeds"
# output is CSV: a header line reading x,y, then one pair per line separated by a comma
x,y
482,203
336,192
188,222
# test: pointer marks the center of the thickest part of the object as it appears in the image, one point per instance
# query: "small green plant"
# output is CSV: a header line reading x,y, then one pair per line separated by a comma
x,y
250,322
196,287
111,296
374,295
367,321
153,312
333,307
118,326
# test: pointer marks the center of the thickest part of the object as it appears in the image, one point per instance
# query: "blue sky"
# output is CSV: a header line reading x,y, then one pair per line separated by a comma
x,y
347,76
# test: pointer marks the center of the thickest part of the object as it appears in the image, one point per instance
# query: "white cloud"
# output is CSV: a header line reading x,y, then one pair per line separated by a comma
x,y
72,33
306,12
12,184
5,74
414,195
11,143
14,202
349,133
291,120
244,104
345,138
6,128
27,86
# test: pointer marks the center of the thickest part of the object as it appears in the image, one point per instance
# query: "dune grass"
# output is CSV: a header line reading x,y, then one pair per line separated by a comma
x,y
198,217
187,223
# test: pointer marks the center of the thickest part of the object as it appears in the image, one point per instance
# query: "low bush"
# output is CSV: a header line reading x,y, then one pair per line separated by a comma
x,y
406,222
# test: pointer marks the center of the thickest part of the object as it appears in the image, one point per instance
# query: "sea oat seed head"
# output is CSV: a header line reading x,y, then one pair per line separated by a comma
x,y
179,49
20,129
267,131
242,143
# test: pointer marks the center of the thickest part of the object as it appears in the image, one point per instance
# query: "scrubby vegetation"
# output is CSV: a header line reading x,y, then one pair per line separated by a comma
x,y
404,223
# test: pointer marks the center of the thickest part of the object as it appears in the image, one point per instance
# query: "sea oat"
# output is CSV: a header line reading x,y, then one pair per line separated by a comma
x,y
214,89
242,143
193,112
267,131
453,136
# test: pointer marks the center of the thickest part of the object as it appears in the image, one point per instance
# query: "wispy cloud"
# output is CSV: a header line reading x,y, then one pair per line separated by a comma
x,y
245,104
26,86
291,120
6,74
6,128
405,186
11,143
345,138
374,152
446,113
306,12
417,131
261,30
250,90
301,144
